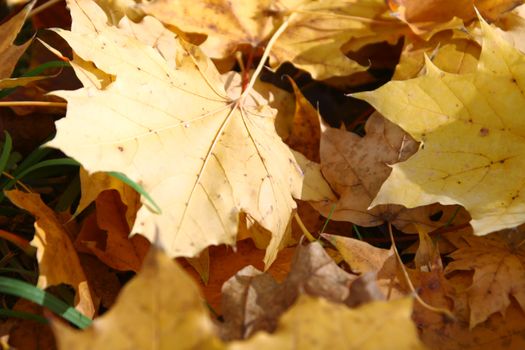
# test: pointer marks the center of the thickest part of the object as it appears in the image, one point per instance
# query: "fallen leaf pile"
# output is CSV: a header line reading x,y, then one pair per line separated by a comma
x,y
263,174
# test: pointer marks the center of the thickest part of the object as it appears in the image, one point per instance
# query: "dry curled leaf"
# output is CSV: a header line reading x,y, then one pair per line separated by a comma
x,y
357,166
498,264
253,301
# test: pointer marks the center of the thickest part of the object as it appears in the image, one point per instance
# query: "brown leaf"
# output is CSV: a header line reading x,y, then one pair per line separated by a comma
x,y
426,17
498,332
106,235
8,33
252,301
497,261
93,184
29,334
225,262
58,261
363,258
356,167
102,280
364,290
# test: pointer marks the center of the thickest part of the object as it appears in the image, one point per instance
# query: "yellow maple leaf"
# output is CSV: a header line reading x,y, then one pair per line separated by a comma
x,y
356,167
312,41
376,325
159,309
471,137
169,125
173,316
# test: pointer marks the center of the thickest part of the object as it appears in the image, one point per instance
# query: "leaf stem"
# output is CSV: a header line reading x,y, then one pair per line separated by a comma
x,y
303,228
423,303
265,55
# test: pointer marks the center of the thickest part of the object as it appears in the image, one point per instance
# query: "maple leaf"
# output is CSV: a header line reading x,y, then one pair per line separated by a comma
x,y
497,332
377,325
170,315
174,316
58,261
499,272
312,41
471,143
356,167
170,126
363,258
452,51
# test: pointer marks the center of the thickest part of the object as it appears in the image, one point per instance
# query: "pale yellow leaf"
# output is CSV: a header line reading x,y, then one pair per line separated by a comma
x,y
204,156
159,309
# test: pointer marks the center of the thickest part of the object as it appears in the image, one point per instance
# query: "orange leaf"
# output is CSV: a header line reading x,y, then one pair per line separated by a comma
x,y
58,261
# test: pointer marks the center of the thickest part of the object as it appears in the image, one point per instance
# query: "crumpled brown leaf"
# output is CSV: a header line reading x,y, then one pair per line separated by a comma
x,y
498,263
356,167
253,301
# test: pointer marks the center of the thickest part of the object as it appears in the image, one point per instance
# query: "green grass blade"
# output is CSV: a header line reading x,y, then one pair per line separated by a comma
x,y
33,158
42,164
27,291
23,315
34,72
122,177
6,151
41,68
47,163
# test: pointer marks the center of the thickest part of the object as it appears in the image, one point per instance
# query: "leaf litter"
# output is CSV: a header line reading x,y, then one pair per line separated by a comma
x,y
228,184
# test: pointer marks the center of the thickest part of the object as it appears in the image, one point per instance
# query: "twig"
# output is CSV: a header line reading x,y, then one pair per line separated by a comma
x,y
32,104
423,303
